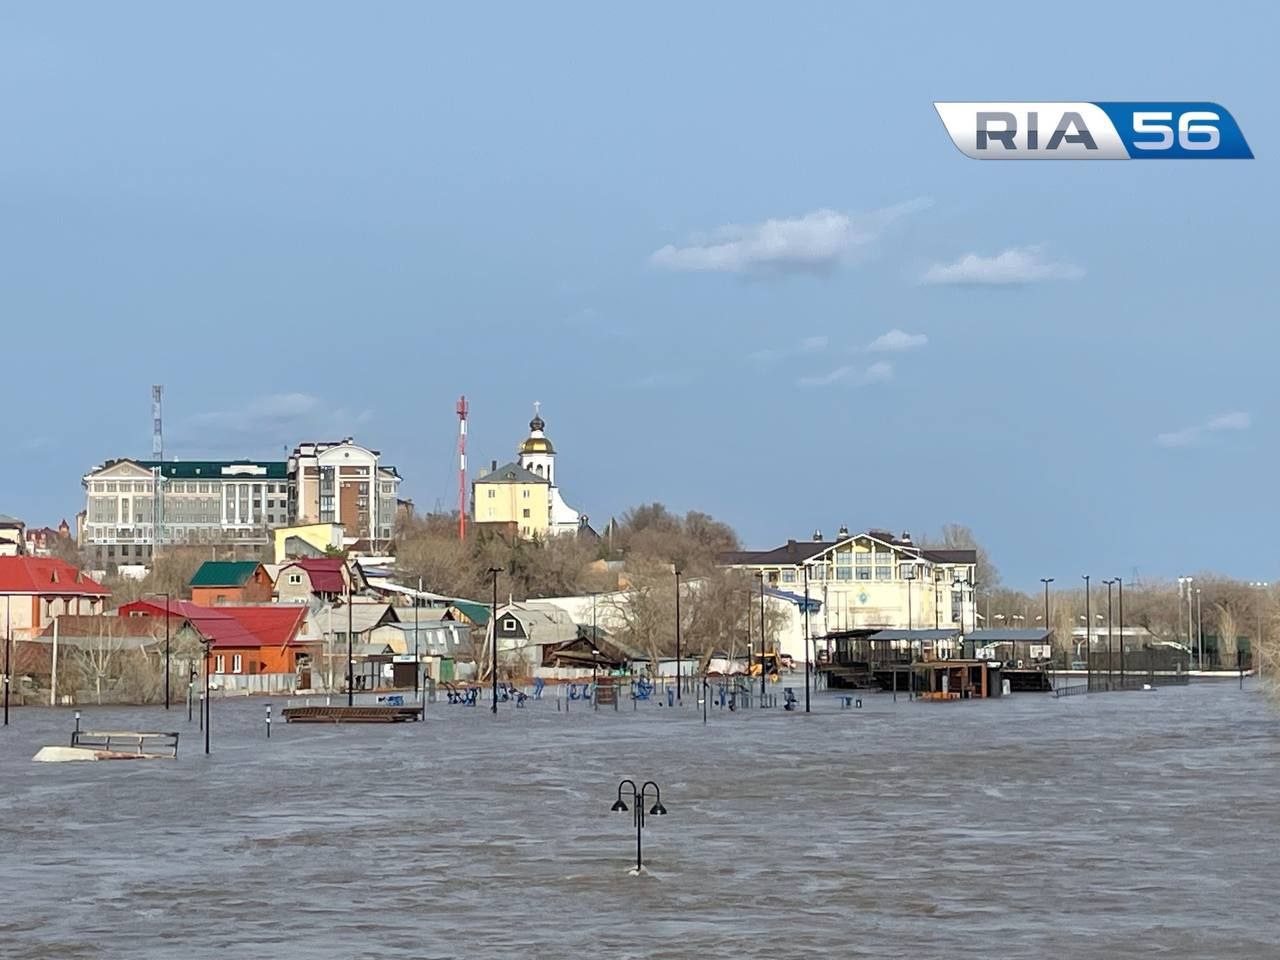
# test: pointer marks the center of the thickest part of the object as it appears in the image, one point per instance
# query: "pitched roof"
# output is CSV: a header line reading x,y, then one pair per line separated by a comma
x,y
324,573
511,473
477,613
796,552
224,573
71,626
46,575
208,469
261,625
274,625
1008,635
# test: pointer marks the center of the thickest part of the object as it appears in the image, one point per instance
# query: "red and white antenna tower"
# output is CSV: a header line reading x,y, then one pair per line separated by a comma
x,y
462,468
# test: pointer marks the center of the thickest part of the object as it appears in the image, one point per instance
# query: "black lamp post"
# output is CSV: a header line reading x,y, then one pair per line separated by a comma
x,y
351,653
762,639
1120,589
638,798
166,645
595,663
937,599
417,663
1110,584
208,713
808,638
1088,631
676,570
1046,581
493,619
8,653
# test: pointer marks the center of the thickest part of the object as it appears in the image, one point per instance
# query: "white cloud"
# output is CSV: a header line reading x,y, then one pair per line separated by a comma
x,y
665,378
896,341
275,412
1189,436
805,346
815,242
1017,265
878,372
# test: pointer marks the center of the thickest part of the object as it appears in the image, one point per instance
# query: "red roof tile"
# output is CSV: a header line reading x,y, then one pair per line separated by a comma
x,y
46,575
325,573
248,626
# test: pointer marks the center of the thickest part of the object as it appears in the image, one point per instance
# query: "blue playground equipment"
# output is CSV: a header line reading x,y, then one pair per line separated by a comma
x,y
789,699
538,684
641,689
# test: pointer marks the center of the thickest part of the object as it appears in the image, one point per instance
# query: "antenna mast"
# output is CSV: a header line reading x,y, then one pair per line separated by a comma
x,y
462,468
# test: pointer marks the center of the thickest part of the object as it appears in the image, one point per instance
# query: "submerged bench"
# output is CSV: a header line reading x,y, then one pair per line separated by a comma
x,y
127,741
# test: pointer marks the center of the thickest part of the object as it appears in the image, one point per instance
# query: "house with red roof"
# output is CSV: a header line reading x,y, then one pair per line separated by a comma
x,y
247,641
34,590
322,578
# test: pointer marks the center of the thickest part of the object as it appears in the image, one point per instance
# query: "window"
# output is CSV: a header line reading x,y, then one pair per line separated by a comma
x,y
845,573
295,578
864,573
863,558
509,623
236,663
526,513
525,494
818,572
111,488
788,576
884,573
219,664
492,493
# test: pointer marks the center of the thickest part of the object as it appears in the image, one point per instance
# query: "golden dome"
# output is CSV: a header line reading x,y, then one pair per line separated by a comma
x,y
537,445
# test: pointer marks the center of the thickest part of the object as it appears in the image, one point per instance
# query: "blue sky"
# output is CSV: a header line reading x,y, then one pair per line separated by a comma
x,y
687,231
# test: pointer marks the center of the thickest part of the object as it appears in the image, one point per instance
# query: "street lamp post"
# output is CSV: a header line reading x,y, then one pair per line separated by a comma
x,y
638,798
1088,634
1256,654
8,653
493,620
1046,581
1200,628
208,710
1120,591
676,570
167,601
937,599
351,652
808,638
1110,584
417,662
762,640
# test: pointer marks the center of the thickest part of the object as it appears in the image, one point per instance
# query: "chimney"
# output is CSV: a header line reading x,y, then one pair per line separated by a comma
x,y
905,538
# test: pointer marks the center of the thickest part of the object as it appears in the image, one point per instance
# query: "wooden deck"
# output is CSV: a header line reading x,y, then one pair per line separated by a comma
x,y
345,714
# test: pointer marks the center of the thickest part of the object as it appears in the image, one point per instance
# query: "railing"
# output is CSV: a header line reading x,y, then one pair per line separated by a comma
x,y
114,740
1073,690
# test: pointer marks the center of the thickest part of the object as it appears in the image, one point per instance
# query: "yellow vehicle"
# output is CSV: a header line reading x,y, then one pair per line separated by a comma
x,y
772,664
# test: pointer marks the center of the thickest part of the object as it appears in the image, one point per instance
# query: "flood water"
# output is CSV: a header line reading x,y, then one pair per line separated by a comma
x,y
1113,825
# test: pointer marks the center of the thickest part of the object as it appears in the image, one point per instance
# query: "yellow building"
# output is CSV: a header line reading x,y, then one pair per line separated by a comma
x,y
318,537
512,499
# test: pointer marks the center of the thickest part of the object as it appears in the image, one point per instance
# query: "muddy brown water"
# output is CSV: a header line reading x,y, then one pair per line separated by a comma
x,y
1118,825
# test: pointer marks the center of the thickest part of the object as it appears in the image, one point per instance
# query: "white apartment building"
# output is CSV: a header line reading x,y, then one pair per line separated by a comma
x,y
342,482
199,502
133,505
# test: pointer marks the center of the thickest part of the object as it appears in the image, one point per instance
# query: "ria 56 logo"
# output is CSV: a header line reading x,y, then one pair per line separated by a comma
x,y
1094,131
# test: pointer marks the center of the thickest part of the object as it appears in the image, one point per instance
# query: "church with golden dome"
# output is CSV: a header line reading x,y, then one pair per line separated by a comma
x,y
538,456
523,497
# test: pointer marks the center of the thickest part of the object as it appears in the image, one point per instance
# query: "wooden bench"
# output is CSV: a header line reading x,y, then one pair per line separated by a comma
x,y
114,741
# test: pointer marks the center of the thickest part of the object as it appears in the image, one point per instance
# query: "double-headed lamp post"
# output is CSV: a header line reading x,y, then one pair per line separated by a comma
x,y
1256,654
638,797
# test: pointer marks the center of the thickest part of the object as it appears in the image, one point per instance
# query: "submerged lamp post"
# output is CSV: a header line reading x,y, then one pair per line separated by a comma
x,y
493,620
638,797
208,652
763,669
675,568
1046,581
167,601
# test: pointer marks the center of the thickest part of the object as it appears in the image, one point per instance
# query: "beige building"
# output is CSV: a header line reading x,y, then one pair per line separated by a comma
x,y
862,581
344,483
511,498
134,505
